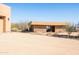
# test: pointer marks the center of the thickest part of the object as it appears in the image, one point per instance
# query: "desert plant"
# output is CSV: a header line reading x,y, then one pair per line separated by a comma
x,y
70,28
78,24
24,26
14,27
29,25
77,27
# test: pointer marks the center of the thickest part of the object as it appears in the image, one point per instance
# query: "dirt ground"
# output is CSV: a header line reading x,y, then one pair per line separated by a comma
x,y
26,43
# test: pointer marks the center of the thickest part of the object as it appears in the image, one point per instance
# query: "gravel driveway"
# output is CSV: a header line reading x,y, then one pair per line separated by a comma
x,y
26,43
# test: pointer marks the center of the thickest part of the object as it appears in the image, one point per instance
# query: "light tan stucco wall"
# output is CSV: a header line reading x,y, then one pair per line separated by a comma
x,y
60,29
39,28
6,11
43,28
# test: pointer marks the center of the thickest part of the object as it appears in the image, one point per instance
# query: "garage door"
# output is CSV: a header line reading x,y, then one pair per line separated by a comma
x,y
1,24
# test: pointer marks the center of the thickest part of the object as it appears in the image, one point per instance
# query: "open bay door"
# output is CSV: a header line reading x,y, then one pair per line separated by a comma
x,y
2,24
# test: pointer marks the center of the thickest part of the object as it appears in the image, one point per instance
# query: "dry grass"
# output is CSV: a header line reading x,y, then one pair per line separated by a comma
x,y
25,43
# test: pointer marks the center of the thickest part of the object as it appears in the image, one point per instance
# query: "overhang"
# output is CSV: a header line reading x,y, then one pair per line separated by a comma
x,y
49,23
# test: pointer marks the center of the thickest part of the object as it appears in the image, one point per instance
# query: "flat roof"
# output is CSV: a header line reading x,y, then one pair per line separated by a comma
x,y
49,23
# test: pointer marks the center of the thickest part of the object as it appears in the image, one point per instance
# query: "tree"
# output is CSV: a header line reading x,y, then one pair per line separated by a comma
x,y
29,25
22,26
25,26
14,27
77,26
70,28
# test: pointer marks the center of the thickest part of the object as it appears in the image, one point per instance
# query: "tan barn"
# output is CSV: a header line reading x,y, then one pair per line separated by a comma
x,y
5,18
44,26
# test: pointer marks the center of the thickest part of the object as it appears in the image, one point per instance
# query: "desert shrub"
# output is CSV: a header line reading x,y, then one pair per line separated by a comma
x,y
14,27
70,28
25,26
77,27
22,26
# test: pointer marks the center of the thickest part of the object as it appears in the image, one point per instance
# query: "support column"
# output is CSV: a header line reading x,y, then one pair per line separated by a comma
x,y
4,24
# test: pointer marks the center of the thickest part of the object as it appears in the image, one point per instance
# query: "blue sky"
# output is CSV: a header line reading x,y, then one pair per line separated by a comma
x,y
55,12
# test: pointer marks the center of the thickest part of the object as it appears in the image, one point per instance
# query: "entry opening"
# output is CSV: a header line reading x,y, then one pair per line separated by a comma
x,y
3,24
31,29
1,17
53,28
50,29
